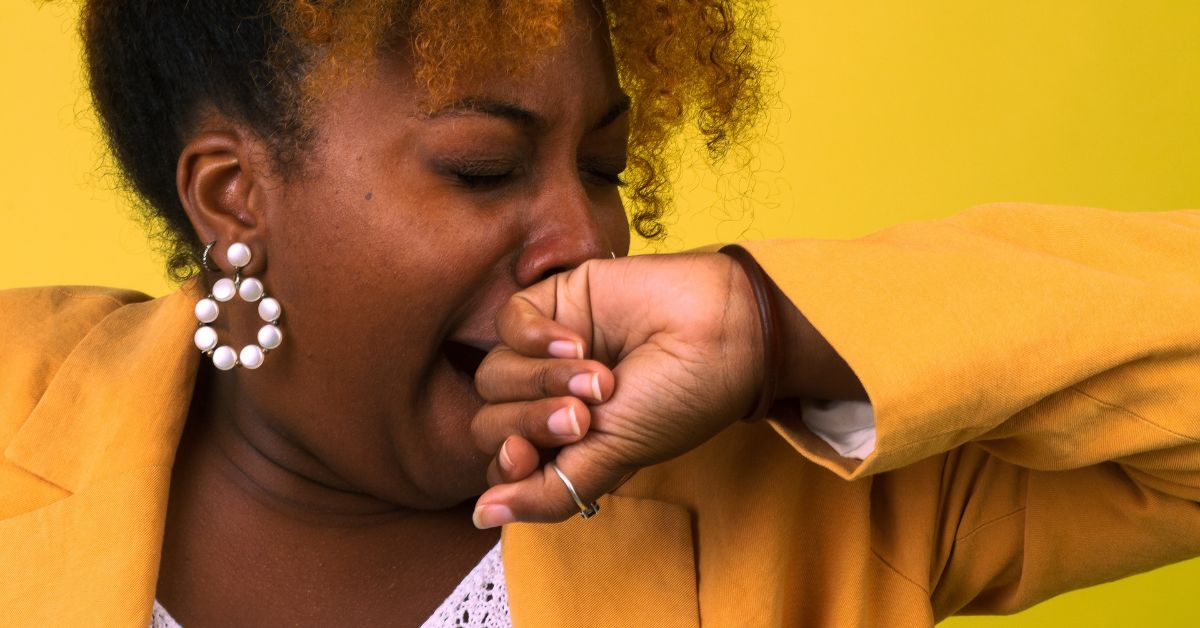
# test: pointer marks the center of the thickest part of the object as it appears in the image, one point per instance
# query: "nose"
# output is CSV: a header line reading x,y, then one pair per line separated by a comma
x,y
563,233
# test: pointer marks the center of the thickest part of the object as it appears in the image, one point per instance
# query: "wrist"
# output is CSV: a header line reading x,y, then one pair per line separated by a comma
x,y
766,362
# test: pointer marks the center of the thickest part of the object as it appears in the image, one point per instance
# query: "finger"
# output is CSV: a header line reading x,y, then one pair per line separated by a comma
x,y
552,422
526,323
543,496
515,461
505,375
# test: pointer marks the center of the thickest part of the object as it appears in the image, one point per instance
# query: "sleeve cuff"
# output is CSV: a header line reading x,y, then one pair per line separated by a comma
x,y
847,426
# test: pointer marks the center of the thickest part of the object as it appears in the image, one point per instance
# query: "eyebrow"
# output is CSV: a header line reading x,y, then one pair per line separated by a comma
x,y
520,115
614,112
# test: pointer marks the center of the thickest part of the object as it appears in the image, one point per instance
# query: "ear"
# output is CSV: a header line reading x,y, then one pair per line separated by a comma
x,y
221,179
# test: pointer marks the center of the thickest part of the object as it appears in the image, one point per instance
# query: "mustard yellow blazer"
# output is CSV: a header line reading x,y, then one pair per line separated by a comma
x,y
1035,376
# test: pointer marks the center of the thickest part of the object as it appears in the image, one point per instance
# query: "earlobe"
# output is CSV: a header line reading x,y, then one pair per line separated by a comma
x,y
216,179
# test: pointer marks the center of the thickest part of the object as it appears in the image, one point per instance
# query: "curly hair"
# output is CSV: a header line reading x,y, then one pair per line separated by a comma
x,y
153,66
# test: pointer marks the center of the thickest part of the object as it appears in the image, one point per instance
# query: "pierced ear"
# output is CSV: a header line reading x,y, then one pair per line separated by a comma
x,y
220,187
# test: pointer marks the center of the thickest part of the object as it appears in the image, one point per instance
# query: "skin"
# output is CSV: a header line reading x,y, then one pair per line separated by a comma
x,y
312,490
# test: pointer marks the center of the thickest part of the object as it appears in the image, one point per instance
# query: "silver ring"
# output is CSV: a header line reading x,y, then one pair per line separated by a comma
x,y
204,259
585,510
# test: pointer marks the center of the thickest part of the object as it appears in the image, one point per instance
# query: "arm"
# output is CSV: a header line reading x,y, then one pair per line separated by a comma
x,y
1044,363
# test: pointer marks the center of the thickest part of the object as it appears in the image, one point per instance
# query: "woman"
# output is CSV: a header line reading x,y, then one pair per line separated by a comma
x,y
395,180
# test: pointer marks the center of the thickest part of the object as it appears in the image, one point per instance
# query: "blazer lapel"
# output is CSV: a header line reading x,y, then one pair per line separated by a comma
x,y
105,430
633,560
90,559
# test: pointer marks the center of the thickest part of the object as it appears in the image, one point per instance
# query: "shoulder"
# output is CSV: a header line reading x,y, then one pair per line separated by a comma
x,y
42,321
38,329
60,303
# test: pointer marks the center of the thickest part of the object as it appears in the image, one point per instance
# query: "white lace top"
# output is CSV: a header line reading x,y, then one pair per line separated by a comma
x,y
479,600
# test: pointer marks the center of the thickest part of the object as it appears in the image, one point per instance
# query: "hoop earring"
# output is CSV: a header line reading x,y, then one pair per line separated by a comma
x,y
204,263
250,289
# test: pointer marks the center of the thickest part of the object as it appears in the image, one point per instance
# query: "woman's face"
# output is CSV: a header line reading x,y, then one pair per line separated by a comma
x,y
404,235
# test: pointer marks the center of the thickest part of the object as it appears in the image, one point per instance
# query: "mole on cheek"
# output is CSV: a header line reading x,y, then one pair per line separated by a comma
x,y
369,196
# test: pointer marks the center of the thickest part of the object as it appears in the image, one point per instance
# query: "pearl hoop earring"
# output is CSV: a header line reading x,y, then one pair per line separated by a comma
x,y
251,290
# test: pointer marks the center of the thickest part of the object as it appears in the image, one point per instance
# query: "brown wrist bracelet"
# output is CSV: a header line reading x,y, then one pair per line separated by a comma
x,y
768,316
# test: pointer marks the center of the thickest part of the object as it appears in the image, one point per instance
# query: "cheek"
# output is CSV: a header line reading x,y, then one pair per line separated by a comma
x,y
614,222
380,281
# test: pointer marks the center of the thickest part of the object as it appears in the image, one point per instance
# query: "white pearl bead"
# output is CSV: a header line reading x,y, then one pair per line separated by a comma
x,y
251,356
238,254
206,338
269,336
251,290
206,310
224,357
269,309
223,290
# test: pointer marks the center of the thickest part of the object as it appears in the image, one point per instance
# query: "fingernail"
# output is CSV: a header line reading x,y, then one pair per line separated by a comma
x,y
562,349
491,516
566,349
585,385
505,460
563,422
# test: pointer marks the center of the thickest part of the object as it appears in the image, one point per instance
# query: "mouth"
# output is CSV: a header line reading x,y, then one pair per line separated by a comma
x,y
464,358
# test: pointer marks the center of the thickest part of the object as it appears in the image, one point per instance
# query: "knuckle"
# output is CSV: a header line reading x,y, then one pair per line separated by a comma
x,y
543,378
530,425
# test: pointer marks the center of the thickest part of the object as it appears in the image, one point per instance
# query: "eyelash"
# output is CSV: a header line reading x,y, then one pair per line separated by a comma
x,y
481,181
610,178
489,181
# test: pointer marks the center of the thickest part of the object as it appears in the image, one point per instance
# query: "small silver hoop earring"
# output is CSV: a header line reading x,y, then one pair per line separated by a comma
x,y
251,290
204,263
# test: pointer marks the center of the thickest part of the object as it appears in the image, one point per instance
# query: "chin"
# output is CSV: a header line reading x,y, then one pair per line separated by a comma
x,y
447,468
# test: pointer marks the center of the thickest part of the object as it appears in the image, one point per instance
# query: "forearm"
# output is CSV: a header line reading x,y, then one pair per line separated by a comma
x,y
956,326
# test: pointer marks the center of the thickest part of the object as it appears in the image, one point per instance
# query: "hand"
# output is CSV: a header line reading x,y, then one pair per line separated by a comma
x,y
681,335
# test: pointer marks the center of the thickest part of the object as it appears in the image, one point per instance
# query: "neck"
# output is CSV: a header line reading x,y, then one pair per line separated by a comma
x,y
259,531
272,468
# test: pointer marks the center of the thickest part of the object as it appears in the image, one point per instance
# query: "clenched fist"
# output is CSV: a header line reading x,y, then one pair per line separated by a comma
x,y
632,361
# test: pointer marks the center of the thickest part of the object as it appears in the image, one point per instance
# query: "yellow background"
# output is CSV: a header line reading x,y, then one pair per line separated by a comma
x,y
891,111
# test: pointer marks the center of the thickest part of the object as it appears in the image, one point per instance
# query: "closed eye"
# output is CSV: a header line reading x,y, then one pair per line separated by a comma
x,y
608,178
478,173
482,181
603,170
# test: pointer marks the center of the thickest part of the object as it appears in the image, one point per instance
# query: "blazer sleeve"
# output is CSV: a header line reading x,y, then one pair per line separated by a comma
x,y
1034,373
